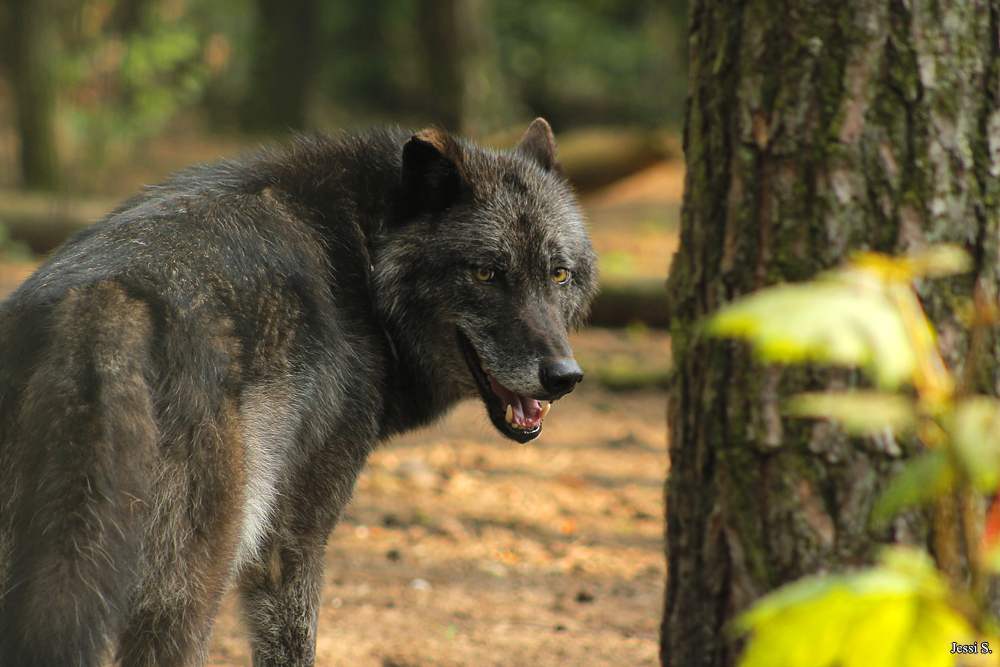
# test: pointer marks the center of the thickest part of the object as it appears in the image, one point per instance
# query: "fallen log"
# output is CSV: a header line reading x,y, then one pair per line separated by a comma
x,y
594,157
44,222
622,302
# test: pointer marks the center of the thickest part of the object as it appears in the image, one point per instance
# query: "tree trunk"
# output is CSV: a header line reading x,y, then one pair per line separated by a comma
x,y
813,128
29,56
443,51
485,99
283,63
465,87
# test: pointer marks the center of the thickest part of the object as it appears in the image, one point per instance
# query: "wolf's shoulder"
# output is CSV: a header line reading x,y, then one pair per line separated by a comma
x,y
250,219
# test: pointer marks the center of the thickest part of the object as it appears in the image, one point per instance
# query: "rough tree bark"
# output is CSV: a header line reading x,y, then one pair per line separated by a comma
x,y
813,128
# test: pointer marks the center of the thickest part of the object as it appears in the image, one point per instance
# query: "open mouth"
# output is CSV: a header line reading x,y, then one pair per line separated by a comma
x,y
516,416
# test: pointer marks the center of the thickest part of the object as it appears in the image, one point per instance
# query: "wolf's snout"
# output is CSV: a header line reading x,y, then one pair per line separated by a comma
x,y
559,377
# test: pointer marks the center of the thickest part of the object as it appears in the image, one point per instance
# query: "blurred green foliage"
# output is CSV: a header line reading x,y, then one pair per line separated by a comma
x,y
124,79
125,68
596,61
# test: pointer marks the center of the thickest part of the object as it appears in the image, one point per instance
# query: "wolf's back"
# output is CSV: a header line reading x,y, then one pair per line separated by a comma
x,y
77,432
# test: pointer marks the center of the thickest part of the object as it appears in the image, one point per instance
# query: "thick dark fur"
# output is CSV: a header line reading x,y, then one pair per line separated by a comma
x,y
189,389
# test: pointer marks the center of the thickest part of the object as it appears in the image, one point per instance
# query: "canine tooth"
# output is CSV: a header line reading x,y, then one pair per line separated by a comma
x,y
485,370
545,409
510,414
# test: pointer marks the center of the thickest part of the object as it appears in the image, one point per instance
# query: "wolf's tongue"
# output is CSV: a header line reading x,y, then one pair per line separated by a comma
x,y
527,411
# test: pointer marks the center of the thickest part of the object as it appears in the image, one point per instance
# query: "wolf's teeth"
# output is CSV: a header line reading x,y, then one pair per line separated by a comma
x,y
510,414
485,370
545,409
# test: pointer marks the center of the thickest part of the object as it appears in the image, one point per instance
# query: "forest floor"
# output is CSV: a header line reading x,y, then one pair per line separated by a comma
x,y
461,548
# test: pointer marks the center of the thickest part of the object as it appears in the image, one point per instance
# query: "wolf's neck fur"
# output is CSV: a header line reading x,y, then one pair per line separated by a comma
x,y
353,204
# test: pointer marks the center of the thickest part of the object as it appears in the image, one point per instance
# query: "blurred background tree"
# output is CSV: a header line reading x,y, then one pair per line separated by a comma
x,y
83,81
25,34
282,62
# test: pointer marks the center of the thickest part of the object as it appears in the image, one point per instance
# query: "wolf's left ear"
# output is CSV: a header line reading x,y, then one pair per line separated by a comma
x,y
432,170
539,144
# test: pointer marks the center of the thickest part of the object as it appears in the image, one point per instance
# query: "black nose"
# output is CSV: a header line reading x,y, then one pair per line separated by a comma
x,y
559,377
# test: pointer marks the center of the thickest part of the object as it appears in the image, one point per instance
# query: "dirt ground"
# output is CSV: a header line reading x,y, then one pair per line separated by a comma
x,y
461,548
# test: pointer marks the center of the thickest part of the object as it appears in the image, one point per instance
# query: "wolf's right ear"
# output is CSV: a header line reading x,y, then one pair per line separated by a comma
x,y
432,170
539,144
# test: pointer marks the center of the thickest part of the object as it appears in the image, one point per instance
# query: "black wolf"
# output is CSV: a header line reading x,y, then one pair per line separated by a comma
x,y
189,389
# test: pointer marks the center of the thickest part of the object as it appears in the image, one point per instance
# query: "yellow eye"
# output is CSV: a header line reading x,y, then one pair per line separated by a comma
x,y
560,275
483,274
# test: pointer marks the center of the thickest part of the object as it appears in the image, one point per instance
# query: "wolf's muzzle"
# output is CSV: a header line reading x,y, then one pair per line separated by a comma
x,y
559,377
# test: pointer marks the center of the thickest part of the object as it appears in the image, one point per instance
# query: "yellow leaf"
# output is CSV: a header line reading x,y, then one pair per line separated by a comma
x,y
939,260
870,618
828,322
934,261
859,412
882,636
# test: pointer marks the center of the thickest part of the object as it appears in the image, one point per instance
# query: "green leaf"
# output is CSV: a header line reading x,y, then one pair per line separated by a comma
x,y
975,434
897,614
925,477
859,412
831,322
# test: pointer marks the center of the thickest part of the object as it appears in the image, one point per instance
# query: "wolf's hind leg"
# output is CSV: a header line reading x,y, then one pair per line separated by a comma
x,y
81,445
174,634
281,592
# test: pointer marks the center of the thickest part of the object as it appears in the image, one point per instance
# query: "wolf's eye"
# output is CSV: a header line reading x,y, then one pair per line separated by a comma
x,y
483,274
560,275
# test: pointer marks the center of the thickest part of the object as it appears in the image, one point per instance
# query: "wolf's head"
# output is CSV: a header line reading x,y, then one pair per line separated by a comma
x,y
488,271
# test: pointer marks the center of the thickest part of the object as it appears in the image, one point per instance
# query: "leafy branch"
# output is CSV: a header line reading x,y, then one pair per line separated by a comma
x,y
903,611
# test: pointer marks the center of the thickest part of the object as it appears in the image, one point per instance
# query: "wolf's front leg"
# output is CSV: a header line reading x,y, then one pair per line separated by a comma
x,y
281,593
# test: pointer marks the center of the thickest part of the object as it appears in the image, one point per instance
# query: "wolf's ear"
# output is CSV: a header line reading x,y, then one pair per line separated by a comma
x,y
539,144
432,170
